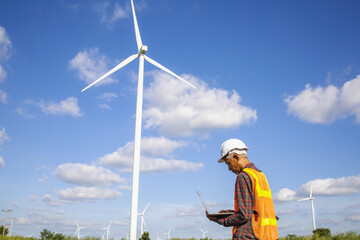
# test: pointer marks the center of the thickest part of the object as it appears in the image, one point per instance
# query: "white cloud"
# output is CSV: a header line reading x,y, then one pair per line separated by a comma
x,y
22,111
119,223
332,186
322,187
325,105
5,45
3,136
177,110
68,106
47,198
285,194
285,211
33,197
107,97
90,65
87,194
3,95
188,212
2,162
355,218
104,106
44,179
3,74
88,175
151,149
110,14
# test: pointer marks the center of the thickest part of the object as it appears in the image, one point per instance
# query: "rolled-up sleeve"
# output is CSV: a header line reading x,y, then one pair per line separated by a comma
x,y
244,196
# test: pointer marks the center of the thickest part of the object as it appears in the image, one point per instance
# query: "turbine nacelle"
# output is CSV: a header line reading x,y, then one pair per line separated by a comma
x,y
143,49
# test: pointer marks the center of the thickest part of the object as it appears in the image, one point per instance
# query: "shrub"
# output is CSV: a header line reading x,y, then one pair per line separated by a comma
x,y
2,230
145,236
322,232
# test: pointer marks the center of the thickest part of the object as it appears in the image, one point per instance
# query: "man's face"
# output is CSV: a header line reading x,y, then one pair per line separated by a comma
x,y
232,160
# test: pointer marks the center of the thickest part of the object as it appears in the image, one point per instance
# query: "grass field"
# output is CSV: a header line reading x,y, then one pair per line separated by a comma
x,y
338,236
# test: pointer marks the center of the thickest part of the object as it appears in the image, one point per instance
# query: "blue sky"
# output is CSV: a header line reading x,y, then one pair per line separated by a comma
x,y
283,76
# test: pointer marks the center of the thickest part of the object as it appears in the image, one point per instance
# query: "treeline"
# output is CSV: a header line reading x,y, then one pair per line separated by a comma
x,y
324,234
318,234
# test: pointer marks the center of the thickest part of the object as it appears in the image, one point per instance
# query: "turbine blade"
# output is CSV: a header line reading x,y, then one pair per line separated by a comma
x,y
137,32
311,191
120,65
300,200
167,70
143,212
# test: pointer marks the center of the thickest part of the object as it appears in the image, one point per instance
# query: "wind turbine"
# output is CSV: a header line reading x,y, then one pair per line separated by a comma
x,y
143,220
168,234
107,231
78,230
311,198
30,236
142,49
203,233
12,220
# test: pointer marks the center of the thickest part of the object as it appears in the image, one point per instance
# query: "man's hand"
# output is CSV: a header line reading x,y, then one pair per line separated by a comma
x,y
211,218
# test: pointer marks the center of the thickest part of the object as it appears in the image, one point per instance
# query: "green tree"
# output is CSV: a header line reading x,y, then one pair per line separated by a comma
x,y
322,232
145,236
2,230
46,234
291,237
59,236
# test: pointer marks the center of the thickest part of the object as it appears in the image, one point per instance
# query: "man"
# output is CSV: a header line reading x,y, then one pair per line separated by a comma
x,y
254,215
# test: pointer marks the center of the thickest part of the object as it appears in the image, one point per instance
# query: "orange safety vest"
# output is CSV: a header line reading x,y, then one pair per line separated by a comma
x,y
263,219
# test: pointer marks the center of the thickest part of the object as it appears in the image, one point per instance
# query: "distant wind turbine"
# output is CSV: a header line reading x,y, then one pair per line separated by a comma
x,y
311,198
77,232
107,231
12,220
143,220
142,49
203,233
168,234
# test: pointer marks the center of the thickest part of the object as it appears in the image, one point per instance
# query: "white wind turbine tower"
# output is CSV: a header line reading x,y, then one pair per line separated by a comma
x,y
311,198
12,220
137,140
203,233
143,220
107,231
168,234
77,232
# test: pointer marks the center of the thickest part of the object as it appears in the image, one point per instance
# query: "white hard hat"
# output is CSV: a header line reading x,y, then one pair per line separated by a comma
x,y
230,146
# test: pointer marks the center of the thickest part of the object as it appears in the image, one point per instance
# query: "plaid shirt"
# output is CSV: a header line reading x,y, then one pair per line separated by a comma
x,y
242,218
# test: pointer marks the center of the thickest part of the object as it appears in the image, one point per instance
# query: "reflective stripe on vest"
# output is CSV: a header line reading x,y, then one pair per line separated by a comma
x,y
261,193
268,221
